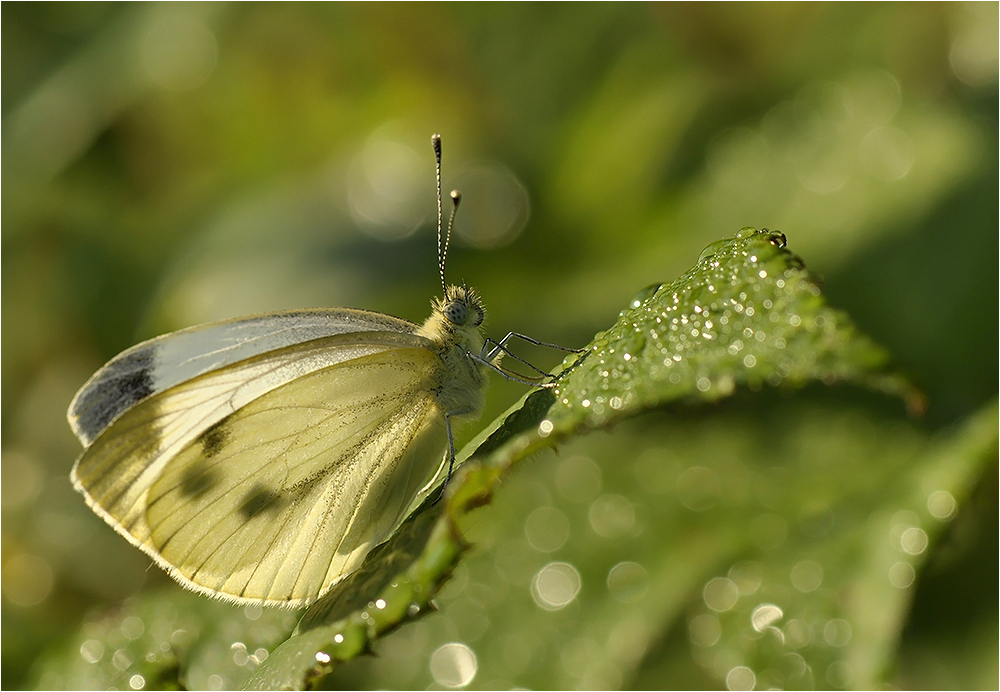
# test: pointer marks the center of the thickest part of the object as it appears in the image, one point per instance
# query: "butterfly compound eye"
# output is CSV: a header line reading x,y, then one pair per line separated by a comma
x,y
456,313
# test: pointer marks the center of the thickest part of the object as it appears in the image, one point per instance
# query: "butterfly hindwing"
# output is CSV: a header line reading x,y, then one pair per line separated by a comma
x,y
304,482
268,493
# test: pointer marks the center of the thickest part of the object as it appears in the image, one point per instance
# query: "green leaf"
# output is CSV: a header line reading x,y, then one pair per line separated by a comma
x,y
747,314
824,607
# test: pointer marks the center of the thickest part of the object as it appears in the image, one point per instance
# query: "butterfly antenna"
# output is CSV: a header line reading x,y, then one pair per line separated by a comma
x,y
456,199
442,242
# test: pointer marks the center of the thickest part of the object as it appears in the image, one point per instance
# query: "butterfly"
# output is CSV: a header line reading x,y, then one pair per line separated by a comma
x,y
260,459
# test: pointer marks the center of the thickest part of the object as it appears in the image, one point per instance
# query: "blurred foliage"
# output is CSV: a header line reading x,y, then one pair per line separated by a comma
x,y
165,165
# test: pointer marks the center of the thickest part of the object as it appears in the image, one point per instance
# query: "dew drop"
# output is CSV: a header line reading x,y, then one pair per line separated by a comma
x,y
705,630
765,615
555,585
720,594
741,678
901,575
807,576
941,504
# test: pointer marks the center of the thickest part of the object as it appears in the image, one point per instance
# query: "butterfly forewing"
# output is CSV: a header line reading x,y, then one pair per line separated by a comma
x,y
268,480
166,361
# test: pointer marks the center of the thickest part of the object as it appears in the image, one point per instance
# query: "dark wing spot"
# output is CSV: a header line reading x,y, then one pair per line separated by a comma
x,y
198,480
257,500
119,392
136,385
214,439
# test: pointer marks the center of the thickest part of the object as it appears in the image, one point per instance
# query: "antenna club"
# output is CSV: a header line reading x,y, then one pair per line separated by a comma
x,y
456,197
436,142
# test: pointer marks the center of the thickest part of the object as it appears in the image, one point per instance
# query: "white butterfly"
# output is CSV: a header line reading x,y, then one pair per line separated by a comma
x,y
260,459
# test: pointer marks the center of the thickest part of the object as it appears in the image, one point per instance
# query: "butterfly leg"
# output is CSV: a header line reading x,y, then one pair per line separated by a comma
x,y
451,451
534,382
451,448
492,349
501,345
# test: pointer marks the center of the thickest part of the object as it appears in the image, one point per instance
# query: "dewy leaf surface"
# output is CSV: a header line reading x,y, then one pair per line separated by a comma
x,y
747,314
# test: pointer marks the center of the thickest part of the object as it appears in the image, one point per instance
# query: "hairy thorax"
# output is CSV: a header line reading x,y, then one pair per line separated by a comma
x,y
460,391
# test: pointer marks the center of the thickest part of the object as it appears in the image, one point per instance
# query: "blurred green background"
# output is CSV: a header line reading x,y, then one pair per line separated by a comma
x,y
166,165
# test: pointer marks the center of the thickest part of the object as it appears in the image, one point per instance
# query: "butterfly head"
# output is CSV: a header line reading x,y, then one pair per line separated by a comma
x,y
461,307
457,318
